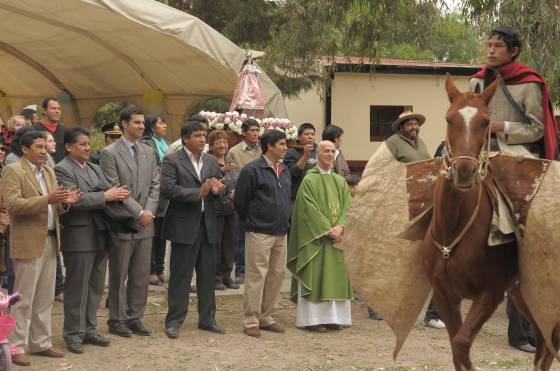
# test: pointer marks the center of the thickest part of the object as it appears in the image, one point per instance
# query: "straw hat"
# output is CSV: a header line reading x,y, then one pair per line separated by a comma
x,y
407,115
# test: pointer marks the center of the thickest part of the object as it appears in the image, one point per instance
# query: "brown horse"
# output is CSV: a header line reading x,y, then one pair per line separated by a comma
x,y
456,256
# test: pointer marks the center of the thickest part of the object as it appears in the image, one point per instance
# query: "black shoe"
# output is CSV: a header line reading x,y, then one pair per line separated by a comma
x,y
220,286
230,284
138,328
119,328
214,328
374,315
239,279
172,332
98,340
77,348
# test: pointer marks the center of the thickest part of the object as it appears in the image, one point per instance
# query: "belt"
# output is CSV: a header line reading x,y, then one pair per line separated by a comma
x,y
51,232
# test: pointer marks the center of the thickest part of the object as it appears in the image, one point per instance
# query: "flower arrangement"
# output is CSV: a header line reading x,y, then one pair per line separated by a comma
x,y
232,121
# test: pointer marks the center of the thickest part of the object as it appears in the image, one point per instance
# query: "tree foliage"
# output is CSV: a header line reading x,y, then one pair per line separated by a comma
x,y
298,36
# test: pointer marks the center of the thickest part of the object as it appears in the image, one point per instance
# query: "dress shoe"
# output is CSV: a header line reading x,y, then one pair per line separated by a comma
x,y
21,360
334,326
119,328
138,328
77,348
374,315
274,328
51,352
239,279
220,286
230,284
316,328
172,332
526,348
98,340
252,331
213,328
59,298
154,280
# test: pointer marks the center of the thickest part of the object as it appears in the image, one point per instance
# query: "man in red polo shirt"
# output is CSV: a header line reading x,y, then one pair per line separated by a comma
x,y
51,123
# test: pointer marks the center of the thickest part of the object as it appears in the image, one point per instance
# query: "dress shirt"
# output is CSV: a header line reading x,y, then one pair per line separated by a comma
x,y
40,175
197,167
246,147
130,144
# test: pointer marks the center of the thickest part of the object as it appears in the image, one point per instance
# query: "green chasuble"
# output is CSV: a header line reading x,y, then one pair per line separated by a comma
x,y
322,202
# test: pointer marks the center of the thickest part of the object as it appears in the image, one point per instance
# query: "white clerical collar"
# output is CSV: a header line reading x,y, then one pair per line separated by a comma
x,y
324,171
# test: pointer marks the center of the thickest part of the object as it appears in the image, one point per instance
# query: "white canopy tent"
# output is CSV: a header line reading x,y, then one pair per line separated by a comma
x,y
90,52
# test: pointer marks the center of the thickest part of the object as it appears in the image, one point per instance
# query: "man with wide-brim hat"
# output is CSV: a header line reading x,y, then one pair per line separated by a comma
x,y
405,144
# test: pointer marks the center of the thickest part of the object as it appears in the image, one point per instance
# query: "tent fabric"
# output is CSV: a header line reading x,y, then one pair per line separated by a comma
x,y
138,51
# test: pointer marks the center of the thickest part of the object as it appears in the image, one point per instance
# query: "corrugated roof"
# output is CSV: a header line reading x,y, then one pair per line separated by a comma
x,y
402,63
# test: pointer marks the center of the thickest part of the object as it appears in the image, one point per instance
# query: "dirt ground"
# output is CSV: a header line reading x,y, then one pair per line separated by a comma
x,y
367,344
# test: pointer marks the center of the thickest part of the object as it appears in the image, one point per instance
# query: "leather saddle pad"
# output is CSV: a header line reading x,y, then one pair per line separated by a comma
x,y
517,178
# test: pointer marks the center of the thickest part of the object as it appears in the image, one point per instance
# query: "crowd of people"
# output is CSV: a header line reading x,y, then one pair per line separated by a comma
x,y
239,215
113,211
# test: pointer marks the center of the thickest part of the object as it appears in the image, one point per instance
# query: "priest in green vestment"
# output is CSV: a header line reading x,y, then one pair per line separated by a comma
x,y
320,284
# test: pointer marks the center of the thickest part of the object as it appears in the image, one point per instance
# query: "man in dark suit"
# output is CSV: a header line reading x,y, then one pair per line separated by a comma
x,y
131,163
189,180
83,240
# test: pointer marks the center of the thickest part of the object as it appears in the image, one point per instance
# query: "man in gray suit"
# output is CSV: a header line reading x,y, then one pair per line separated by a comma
x,y
83,238
131,163
189,180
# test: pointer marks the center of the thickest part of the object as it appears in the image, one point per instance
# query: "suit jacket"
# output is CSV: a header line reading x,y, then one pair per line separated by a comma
x,y
28,209
142,180
85,219
181,186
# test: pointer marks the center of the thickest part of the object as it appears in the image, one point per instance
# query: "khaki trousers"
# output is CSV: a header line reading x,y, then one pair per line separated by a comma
x,y
265,264
35,281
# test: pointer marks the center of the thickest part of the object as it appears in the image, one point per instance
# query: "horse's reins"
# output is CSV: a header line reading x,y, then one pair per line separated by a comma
x,y
481,171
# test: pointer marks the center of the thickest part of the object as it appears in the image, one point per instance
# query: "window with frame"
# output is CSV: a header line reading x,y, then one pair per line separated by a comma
x,y
380,119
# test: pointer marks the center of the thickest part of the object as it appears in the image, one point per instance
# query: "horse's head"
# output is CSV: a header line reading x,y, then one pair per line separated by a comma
x,y
468,134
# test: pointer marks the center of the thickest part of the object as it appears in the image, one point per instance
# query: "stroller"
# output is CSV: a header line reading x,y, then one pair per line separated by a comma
x,y
7,324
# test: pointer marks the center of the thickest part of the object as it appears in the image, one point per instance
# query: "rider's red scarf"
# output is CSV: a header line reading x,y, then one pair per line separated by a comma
x,y
517,73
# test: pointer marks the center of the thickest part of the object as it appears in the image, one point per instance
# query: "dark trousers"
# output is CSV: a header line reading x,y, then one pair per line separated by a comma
x,y
184,259
158,248
240,250
85,281
59,287
519,329
225,248
10,276
431,312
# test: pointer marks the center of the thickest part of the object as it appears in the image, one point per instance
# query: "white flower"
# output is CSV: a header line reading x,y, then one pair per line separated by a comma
x,y
261,131
243,116
220,126
235,114
227,120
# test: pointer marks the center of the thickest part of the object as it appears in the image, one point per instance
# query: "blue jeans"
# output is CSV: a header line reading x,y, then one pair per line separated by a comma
x,y
239,257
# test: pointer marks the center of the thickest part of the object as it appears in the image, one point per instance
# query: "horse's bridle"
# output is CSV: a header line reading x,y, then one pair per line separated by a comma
x,y
449,162
481,163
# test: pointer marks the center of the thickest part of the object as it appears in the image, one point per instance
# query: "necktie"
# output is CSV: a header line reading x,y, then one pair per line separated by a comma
x,y
135,153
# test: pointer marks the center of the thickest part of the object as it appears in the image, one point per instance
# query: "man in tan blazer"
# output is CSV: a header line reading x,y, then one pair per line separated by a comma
x,y
34,201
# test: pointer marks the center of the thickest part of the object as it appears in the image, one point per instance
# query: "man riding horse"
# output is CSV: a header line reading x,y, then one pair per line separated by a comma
x,y
521,124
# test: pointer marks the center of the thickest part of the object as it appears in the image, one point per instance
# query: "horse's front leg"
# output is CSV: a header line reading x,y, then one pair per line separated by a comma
x,y
481,310
543,357
449,309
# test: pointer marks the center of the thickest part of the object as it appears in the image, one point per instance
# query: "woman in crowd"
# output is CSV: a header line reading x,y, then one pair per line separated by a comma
x,y
154,136
15,146
227,219
13,124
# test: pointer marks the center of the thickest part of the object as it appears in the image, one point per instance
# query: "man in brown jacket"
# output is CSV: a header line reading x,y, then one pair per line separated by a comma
x,y
33,199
